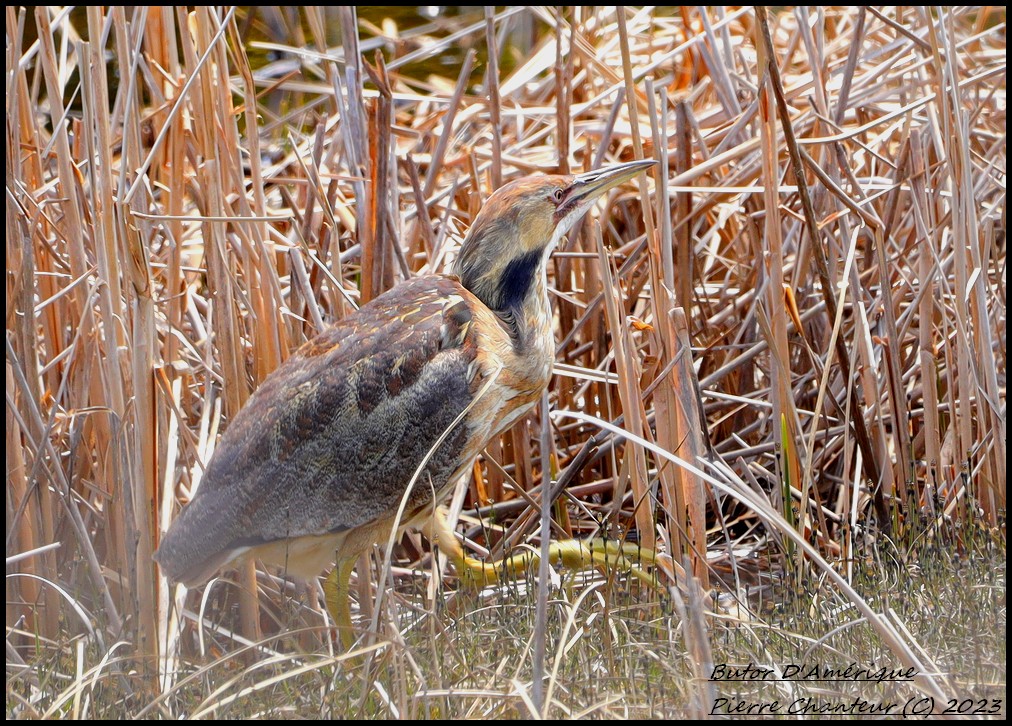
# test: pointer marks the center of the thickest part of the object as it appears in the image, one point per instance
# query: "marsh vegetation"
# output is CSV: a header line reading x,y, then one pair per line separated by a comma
x,y
780,363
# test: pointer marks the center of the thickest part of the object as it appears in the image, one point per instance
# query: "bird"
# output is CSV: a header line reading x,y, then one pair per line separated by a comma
x,y
367,427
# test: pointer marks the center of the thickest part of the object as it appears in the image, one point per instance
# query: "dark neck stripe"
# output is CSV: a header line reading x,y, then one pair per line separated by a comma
x,y
517,280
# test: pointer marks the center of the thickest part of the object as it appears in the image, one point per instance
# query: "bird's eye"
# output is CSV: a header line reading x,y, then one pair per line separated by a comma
x,y
557,195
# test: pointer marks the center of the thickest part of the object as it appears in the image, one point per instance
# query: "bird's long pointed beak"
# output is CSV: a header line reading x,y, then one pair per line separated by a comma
x,y
590,185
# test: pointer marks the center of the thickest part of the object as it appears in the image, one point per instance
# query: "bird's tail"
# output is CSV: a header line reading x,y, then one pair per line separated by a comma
x,y
195,547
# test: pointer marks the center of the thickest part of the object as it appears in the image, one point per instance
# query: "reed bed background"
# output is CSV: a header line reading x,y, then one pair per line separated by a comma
x,y
778,354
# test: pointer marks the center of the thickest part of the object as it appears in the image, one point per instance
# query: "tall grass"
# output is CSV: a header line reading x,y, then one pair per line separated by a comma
x,y
789,340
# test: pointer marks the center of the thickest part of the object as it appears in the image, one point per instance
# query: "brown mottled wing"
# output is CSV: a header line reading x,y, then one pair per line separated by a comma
x,y
331,439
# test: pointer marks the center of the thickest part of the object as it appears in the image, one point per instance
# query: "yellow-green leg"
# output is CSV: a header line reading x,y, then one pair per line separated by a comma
x,y
335,590
473,572
571,552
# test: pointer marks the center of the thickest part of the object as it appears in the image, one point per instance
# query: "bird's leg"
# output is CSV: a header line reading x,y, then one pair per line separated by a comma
x,y
575,553
572,553
473,571
335,591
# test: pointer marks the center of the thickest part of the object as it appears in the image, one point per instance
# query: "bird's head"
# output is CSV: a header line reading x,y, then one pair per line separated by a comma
x,y
521,223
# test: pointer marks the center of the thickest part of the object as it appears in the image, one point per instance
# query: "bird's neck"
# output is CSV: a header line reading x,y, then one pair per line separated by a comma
x,y
520,298
515,289
526,311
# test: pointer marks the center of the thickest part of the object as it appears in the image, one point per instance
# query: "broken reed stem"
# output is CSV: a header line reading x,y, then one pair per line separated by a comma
x,y
492,84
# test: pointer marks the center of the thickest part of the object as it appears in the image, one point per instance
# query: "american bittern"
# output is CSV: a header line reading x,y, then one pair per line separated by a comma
x,y
394,401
